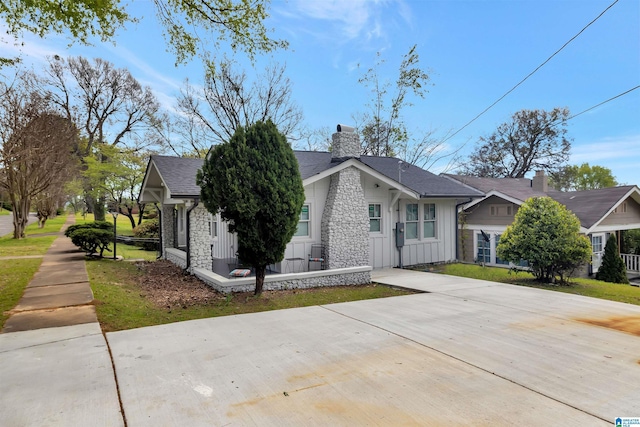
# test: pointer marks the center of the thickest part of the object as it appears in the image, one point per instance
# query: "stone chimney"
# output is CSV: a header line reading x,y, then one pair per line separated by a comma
x,y
345,219
540,182
345,143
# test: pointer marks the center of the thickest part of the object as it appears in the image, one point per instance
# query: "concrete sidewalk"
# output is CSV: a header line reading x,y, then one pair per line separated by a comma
x,y
54,360
59,293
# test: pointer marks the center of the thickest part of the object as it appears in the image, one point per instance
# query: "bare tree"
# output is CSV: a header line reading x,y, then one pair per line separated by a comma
x,y
227,100
382,127
108,104
37,143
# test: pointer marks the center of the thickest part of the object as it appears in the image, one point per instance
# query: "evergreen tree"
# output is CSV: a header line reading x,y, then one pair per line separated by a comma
x,y
254,182
612,268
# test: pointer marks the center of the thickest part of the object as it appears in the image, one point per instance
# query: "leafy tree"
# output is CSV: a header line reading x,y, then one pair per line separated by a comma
x,y
231,101
547,235
630,242
110,107
254,182
532,140
36,146
612,269
189,26
583,177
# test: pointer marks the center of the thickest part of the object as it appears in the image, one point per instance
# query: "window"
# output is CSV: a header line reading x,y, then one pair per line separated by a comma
x,y
498,260
411,227
484,250
501,210
375,218
213,226
303,222
596,243
429,223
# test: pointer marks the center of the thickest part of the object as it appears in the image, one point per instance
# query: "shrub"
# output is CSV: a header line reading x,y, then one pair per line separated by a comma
x,y
547,235
612,268
148,230
60,211
91,240
100,225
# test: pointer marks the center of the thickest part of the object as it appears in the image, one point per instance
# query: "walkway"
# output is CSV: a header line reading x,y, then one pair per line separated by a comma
x,y
54,359
59,293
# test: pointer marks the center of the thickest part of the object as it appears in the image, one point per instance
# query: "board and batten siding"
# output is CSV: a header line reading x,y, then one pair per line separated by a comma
x,y
440,249
381,244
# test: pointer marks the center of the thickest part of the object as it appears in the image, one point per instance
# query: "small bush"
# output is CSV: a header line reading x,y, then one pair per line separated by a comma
x,y
612,269
91,240
147,230
60,211
99,225
7,205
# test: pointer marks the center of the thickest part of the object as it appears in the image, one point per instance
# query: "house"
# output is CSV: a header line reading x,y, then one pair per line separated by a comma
x,y
601,212
352,206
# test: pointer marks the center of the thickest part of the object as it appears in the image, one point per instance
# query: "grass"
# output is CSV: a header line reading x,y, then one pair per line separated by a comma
x,y
16,274
120,304
577,286
52,225
5,212
123,225
23,247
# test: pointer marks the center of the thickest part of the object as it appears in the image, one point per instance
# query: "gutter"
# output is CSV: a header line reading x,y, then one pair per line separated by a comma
x,y
196,201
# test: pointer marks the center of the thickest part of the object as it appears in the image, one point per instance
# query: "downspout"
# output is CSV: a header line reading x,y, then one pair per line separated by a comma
x,y
457,227
160,240
196,200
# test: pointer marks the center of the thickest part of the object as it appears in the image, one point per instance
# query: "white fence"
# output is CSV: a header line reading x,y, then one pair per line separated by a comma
x,y
632,262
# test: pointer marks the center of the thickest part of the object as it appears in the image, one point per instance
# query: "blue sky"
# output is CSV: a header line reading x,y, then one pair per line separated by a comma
x,y
474,51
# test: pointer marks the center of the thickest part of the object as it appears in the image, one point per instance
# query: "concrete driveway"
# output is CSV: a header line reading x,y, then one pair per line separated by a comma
x,y
466,353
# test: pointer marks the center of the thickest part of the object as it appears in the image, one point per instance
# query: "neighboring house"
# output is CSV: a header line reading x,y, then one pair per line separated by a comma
x,y
352,206
601,212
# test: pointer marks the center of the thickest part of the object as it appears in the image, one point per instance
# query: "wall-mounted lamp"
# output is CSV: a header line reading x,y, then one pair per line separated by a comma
x,y
377,185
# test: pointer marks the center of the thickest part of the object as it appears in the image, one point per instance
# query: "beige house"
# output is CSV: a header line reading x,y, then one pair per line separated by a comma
x,y
601,212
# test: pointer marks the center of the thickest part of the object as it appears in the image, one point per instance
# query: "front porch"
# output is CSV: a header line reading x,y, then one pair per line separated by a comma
x,y
633,267
218,276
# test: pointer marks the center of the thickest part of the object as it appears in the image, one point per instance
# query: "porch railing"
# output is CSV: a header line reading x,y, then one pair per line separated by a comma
x,y
632,262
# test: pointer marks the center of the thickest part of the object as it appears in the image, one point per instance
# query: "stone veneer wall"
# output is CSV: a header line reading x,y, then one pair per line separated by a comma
x,y
316,279
168,235
200,240
345,222
176,256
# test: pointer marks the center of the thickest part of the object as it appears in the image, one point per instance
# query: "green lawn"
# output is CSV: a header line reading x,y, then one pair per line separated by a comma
x,y
577,286
16,274
5,212
123,225
53,225
120,304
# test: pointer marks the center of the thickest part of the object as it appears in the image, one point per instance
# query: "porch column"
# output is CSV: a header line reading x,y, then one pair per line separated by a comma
x,y
199,238
168,233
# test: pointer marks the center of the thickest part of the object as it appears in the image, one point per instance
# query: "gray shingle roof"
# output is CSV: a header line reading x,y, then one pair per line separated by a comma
x,y
517,188
589,206
179,174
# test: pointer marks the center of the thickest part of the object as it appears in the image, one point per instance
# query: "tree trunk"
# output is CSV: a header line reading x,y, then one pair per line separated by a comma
x,y
20,216
260,273
99,212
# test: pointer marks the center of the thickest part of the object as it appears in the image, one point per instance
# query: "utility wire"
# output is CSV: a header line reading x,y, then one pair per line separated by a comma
x,y
532,73
604,102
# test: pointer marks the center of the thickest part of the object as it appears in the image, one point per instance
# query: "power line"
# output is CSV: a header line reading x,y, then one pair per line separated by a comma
x,y
532,73
604,102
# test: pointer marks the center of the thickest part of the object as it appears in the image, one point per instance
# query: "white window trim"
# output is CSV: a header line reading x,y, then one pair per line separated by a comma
x,y
310,224
417,222
381,217
434,221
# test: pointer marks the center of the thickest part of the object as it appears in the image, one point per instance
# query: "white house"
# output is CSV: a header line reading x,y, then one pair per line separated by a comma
x,y
352,208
